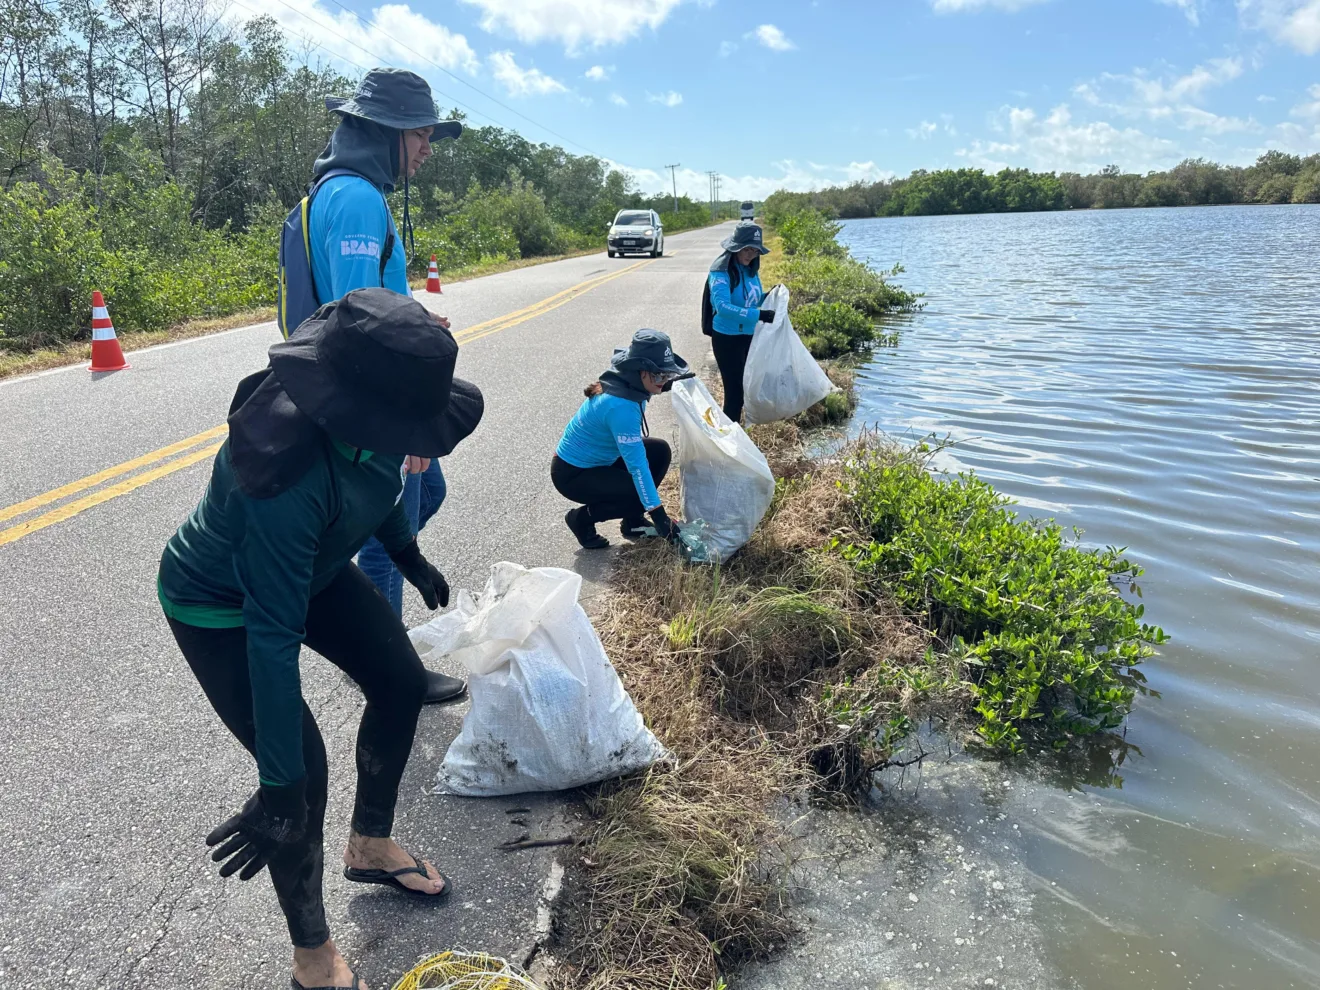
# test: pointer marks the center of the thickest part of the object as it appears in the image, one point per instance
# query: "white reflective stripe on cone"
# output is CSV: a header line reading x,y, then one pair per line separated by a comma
x,y
100,313
103,333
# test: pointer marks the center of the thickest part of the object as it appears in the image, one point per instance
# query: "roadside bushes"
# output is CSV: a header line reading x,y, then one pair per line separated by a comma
x,y
154,266
1048,643
835,300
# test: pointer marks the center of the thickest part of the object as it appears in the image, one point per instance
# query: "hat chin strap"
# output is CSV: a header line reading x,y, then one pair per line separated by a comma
x,y
409,240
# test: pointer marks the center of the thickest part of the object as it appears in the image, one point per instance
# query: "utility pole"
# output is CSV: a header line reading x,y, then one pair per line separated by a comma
x,y
710,176
673,175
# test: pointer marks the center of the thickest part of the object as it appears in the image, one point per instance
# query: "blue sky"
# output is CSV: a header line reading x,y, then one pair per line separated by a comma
x,y
796,94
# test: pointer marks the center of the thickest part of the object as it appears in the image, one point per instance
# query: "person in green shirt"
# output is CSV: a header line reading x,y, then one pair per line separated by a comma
x,y
314,465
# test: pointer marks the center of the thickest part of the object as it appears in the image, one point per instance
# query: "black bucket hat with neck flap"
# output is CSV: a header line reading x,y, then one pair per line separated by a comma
x,y
375,371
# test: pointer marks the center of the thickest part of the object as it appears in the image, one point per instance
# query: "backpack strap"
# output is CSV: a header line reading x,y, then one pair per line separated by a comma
x,y
312,190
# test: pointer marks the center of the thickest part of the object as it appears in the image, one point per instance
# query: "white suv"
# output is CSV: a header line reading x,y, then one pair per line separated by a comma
x,y
636,232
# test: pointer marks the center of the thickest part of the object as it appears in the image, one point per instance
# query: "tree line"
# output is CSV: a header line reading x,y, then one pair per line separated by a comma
x,y
1276,177
150,149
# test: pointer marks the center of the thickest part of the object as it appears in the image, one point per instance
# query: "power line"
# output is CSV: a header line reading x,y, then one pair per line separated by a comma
x,y
673,174
380,60
469,85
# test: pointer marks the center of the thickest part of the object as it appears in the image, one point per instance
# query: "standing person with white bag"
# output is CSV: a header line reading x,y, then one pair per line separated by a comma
x,y
730,309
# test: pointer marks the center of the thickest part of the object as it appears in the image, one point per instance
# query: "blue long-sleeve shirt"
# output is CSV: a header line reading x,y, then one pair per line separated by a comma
x,y
737,308
349,225
605,428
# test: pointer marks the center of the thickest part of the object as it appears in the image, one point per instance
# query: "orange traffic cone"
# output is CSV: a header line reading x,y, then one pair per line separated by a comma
x,y
433,277
106,355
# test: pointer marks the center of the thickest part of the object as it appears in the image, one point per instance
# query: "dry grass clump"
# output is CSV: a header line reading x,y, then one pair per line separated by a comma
x,y
776,676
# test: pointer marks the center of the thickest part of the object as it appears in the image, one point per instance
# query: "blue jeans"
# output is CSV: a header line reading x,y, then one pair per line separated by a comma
x,y
422,495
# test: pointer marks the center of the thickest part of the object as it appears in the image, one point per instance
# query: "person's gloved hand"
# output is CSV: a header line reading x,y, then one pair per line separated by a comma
x,y
422,575
664,526
271,818
767,316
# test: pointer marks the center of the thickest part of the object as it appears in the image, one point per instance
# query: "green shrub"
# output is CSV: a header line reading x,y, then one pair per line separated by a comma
x,y
843,279
810,232
831,329
1038,621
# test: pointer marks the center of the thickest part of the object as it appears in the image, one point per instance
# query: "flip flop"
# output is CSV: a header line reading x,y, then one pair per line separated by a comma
x,y
390,878
357,983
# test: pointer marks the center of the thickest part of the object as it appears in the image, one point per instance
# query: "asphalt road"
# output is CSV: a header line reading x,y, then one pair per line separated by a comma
x,y
114,766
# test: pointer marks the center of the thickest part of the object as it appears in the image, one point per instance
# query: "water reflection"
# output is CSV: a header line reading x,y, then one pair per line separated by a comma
x,y
1150,377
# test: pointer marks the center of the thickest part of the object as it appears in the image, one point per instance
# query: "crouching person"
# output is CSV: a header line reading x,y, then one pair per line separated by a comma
x,y
313,467
606,461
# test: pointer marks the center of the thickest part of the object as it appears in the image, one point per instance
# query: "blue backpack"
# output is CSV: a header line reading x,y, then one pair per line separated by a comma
x,y
297,296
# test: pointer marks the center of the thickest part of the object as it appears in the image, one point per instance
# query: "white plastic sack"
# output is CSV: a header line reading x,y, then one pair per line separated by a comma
x,y
781,377
548,709
726,481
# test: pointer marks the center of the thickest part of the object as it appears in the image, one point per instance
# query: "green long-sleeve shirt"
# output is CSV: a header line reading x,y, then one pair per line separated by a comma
x,y
256,562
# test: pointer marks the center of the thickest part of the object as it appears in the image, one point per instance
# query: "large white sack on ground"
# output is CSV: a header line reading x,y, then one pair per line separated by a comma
x,y
727,482
781,378
548,709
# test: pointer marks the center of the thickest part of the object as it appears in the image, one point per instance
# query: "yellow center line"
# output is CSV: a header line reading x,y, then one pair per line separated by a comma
x,y
104,495
92,480
479,330
71,509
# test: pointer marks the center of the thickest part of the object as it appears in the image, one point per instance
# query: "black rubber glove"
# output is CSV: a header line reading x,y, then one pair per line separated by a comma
x,y
271,818
422,575
664,526
767,316
669,385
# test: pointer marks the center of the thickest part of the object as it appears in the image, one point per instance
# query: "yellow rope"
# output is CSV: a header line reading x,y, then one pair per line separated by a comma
x,y
464,971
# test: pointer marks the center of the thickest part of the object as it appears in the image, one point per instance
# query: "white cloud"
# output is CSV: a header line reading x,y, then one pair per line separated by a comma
x,y
1293,22
598,73
1310,110
791,175
923,131
1167,99
573,23
958,6
670,99
1264,99
309,19
518,81
1190,8
618,100
727,48
1057,143
773,38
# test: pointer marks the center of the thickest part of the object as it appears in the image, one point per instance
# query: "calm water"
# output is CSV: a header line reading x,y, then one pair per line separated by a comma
x,y
1151,376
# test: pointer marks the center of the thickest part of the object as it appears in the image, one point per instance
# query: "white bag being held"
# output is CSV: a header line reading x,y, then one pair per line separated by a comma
x,y
548,709
727,483
781,378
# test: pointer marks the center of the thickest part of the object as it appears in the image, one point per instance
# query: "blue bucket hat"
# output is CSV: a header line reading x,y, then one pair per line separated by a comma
x,y
395,98
746,234
649,350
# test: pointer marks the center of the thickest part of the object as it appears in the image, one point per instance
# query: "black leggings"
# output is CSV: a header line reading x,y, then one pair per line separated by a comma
x,y
608,492
352,625
731,355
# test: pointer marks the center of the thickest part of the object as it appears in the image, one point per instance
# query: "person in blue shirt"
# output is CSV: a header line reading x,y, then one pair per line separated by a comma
x,y
385,132
731,309
605,461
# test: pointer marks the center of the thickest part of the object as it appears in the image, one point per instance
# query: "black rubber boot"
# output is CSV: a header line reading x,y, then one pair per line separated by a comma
x,y
632,528
441,687
579,521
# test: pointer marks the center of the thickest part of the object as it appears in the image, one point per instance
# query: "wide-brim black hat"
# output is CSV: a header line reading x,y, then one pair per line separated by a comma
x,y
745,235
376,371
395,98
